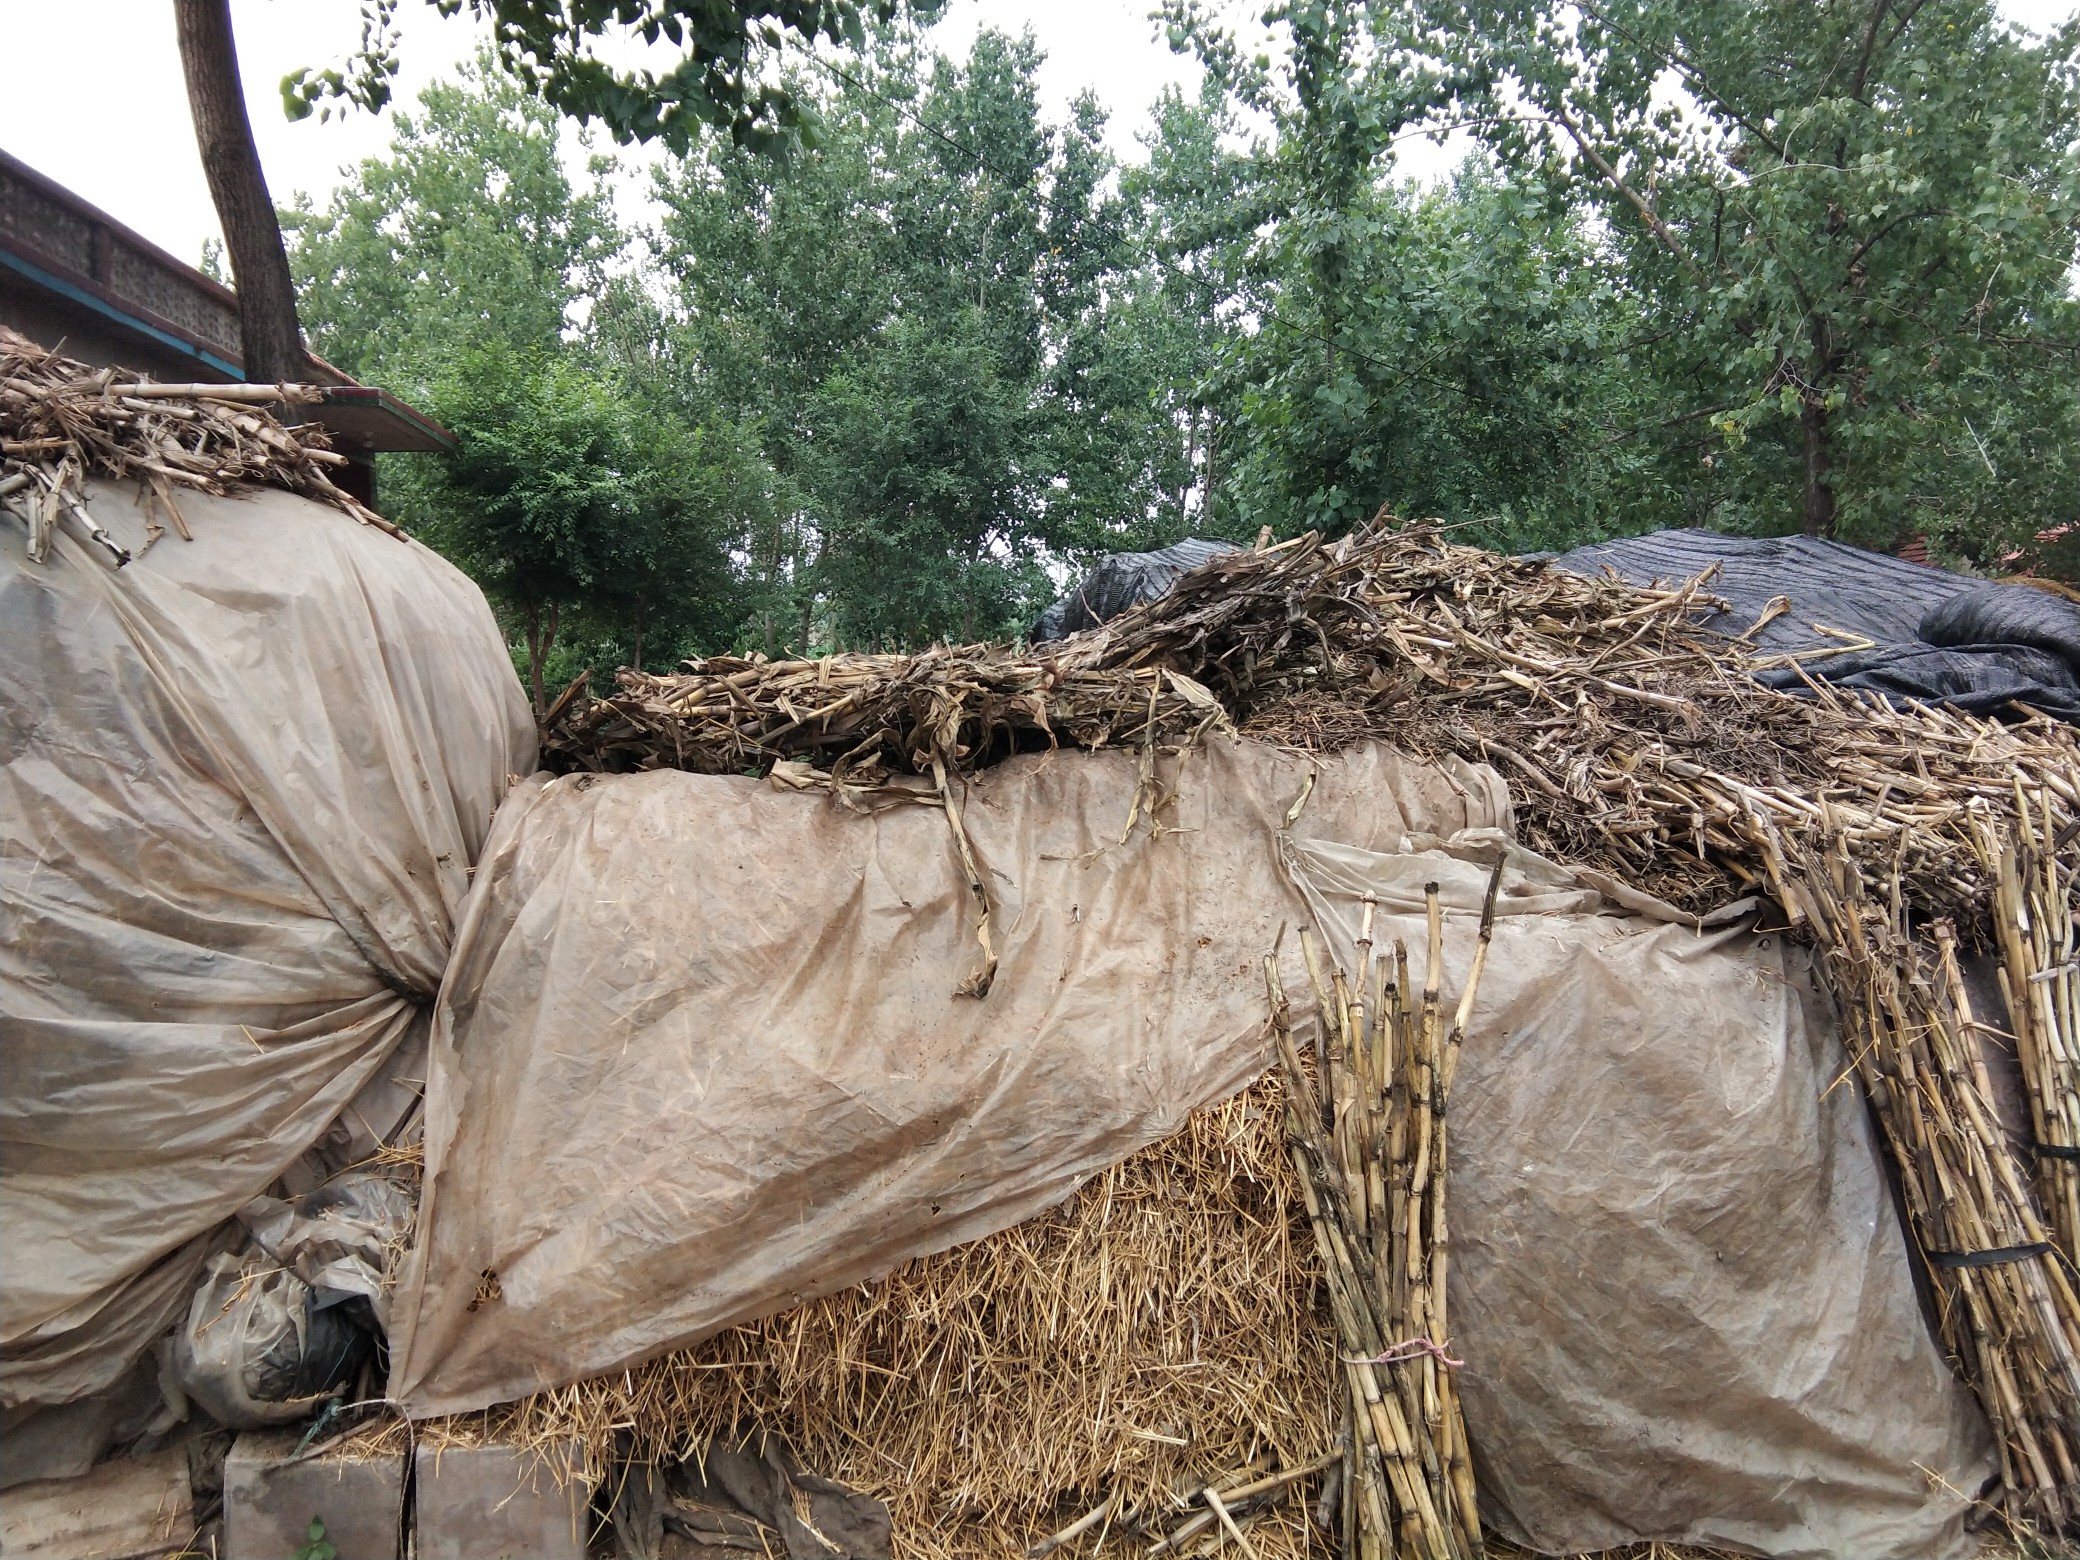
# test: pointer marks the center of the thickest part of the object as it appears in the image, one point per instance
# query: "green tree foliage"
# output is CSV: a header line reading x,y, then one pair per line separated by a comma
x,y
552,46
461,269
1844,234
573,509
469,231
972,379
1453,352
1752,266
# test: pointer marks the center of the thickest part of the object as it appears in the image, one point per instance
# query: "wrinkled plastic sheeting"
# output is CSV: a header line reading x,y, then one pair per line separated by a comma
x,y
1934,636
699,1059
242,783
699,1055
337,1239
1677,1276
2006,615
1121,581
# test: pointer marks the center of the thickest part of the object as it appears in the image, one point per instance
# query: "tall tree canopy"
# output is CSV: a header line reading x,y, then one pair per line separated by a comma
x,y
1847,232
1764,267
465,269
939,320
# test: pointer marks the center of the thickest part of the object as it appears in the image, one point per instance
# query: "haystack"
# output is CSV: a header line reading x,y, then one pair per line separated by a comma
x,y
1887,835
1168,1330
1160,1331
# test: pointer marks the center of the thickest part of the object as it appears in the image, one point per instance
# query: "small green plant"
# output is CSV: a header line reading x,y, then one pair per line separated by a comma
x,y
315,1545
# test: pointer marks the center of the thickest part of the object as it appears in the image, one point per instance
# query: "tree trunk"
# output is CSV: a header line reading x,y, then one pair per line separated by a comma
x,y
1819,494
252,233
1191,464
540,640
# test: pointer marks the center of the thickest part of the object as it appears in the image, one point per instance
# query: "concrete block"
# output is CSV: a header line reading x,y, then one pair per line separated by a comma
x,y
130,1509
494,1503
270,1499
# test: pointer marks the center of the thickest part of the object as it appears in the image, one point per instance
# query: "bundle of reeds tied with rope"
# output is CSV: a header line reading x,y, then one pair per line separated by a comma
x,y
1370,1151
1637,744
62,422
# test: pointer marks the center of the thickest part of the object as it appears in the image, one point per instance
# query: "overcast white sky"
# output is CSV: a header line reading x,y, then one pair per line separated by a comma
x,y
94,97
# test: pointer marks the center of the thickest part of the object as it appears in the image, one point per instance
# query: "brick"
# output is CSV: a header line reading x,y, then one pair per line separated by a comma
x,y
270,1499
129,1509
495,1503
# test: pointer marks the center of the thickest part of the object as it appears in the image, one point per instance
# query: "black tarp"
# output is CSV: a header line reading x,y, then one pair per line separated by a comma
x,y
1934,636
1901,629
1121,581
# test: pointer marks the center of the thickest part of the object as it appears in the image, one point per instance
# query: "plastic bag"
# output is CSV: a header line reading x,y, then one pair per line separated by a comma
x,y
256,1350
1931,636
1124,580
340,1239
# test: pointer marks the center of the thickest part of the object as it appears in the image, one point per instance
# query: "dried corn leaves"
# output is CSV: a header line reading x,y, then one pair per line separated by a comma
x,y
1639,746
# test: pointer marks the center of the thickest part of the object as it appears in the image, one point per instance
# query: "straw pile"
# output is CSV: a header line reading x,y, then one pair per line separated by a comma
x,y
1636,744
61,422
1160,1330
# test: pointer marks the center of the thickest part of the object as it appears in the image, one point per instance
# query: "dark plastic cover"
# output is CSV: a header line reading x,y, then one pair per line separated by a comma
x,y
1121,581
1934,636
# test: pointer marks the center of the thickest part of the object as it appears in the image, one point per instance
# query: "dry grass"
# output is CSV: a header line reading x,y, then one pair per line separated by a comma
x,y
1161,1327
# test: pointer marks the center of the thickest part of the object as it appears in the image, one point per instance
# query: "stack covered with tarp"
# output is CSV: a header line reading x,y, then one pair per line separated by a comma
x,y
854,1089
676,1087
250,748
1919,857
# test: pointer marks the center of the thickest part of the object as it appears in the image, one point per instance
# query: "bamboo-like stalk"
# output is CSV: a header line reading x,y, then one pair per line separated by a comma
x,y
1414,1489
2004,1290
2040,982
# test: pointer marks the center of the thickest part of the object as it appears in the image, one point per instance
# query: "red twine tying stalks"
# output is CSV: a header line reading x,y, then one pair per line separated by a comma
x,y
1396,1354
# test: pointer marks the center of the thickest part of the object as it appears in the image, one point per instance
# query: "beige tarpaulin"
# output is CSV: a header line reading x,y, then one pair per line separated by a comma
x,y
1677,1278
242,783
699,1054
699,1057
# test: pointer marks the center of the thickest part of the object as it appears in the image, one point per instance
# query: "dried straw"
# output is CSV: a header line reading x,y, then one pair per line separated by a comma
x,y
1158,1333
61,422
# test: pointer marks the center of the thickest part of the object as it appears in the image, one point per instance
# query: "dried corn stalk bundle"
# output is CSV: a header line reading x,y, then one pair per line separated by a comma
x,y
867,718
1370,1149
2040,980
61,422
2004,1290
1156,1335
1639,744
